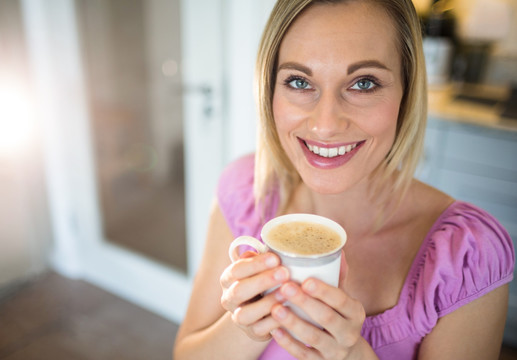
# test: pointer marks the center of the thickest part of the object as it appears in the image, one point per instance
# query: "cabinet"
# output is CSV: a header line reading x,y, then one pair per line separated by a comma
x,y
476,164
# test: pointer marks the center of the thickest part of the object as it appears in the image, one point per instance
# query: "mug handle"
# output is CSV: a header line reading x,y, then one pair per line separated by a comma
x,y
245,240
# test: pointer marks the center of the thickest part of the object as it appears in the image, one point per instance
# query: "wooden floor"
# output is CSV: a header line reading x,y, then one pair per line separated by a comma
x,y
61,319
508,353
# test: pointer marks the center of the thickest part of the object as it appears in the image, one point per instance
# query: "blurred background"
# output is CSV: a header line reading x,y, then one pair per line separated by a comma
x,y
117,116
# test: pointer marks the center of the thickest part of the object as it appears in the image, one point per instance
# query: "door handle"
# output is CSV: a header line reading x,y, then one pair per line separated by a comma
x,y
205,90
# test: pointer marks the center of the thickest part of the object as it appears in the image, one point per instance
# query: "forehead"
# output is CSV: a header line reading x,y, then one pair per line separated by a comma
x,y
350,31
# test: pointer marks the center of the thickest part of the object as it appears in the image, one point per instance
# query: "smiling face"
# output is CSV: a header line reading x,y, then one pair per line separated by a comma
x,y
337,93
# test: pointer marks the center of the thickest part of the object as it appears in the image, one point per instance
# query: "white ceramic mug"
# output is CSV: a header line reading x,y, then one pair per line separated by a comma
x,y
325,266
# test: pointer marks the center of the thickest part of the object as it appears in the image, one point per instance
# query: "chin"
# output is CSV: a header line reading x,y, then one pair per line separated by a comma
x,y
325,185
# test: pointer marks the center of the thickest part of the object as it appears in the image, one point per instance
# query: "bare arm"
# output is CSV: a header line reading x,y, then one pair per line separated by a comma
x,y
208,331
474,331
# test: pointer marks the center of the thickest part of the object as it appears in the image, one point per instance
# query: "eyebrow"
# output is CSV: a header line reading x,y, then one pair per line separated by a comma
x,y
351,69
295,66
366,64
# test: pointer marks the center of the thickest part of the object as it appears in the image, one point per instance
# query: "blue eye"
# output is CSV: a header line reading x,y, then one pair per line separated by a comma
x,y
298,83
364,85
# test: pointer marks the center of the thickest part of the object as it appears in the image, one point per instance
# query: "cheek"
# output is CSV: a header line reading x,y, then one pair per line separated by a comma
x,y
383,121
285,115
280,115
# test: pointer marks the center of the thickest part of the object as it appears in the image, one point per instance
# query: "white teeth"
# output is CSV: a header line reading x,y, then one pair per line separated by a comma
x,y
331,152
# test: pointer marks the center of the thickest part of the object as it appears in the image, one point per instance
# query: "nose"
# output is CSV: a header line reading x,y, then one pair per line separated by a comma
x,y
328,116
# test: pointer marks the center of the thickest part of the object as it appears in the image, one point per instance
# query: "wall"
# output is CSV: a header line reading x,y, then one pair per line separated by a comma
x,y
245,20
24,227
15,252
490,19
25,236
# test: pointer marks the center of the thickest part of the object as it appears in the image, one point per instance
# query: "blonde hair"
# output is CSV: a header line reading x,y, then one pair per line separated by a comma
x,y
274,170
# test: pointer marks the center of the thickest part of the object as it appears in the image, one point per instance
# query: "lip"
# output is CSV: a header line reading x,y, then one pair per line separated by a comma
x,y
327,163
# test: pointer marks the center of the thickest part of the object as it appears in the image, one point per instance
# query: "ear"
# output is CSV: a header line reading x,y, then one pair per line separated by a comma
x,y
343,272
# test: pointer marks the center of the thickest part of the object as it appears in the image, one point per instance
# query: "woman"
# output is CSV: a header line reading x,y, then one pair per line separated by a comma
x,y
342,99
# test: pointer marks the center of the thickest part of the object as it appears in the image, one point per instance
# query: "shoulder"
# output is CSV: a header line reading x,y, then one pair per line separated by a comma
x,y
235,187
236,199
466,254
239,173
468,232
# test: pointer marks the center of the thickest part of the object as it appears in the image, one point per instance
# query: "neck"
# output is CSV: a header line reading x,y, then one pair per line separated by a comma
x,y
357,210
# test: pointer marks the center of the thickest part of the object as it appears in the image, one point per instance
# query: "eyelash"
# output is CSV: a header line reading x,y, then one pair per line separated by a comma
x,y
290,79
373,80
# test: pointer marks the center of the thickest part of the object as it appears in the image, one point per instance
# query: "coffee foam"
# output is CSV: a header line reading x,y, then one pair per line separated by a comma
x,y
303,238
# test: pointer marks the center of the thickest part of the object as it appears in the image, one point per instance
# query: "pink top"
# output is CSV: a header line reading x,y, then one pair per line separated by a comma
x,y
466,254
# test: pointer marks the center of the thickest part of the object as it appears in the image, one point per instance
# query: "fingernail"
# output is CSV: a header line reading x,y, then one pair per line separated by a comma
x,y
271,261
279,297
281,274
280,312
277,333
289,290
309,286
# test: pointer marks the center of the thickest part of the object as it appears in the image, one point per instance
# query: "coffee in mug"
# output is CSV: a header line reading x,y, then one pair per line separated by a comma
x,y
303,238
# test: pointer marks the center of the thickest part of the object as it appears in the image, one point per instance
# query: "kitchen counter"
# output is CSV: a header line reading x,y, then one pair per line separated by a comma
x,y
476,105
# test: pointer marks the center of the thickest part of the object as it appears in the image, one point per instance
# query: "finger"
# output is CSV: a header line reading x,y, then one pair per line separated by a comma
x,y
284,338
244,290
262,329
248,254
319,312
247,266
334,297
252,312
293,347
335,305
255,318
302,334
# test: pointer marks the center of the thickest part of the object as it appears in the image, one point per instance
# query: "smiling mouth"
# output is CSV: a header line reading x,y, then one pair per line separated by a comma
x,y
330,152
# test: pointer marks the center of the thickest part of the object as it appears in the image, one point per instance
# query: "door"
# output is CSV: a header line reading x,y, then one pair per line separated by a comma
x,y
130,99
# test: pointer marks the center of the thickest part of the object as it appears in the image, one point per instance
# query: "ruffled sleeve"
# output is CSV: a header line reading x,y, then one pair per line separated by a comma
x,y
236,199
469,254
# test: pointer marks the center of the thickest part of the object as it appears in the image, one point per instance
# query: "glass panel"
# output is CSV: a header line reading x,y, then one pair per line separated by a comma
x,y
131,52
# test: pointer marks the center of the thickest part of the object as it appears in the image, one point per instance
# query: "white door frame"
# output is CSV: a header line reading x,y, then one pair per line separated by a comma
x,y
79,250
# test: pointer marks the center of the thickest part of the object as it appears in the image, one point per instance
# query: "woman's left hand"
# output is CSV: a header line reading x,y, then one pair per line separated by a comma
x,y
340,316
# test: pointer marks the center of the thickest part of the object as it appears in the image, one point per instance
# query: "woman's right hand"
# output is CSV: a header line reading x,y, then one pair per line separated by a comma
x,y
243,284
